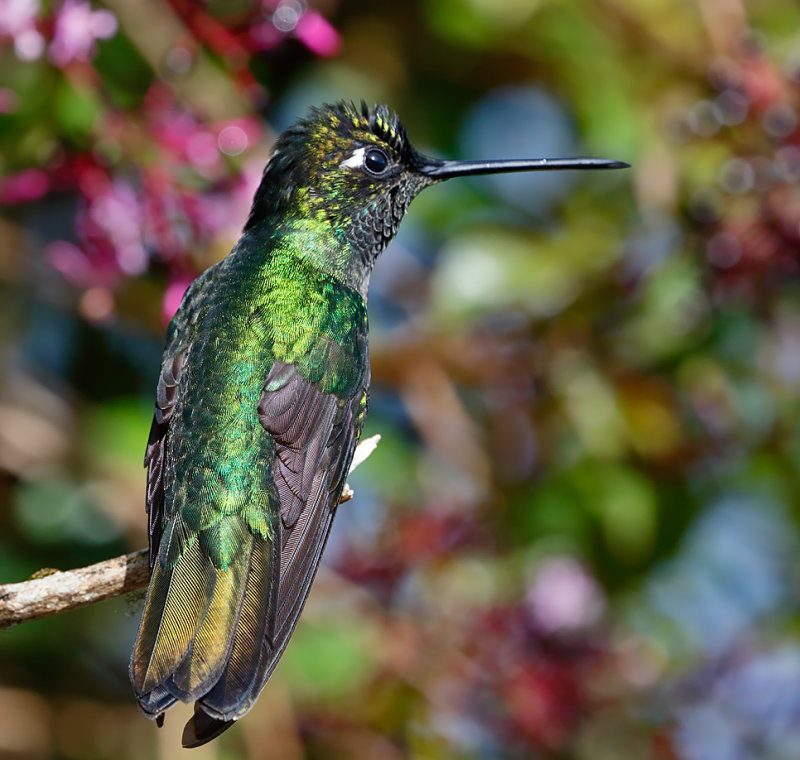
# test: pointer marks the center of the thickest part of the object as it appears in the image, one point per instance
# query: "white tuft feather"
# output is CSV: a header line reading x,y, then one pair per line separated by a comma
x,y
356,161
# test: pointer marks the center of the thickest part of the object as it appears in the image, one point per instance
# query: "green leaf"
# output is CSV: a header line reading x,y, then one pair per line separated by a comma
x,y
76,110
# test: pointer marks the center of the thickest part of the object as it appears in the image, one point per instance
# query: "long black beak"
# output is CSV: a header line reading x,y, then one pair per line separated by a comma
x,y
439,169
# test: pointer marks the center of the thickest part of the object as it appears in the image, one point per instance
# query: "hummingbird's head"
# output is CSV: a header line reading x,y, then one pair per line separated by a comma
x,y
354,171
350,167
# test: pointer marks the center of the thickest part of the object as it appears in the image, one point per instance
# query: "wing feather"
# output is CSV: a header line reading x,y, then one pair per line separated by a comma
x,y
154,458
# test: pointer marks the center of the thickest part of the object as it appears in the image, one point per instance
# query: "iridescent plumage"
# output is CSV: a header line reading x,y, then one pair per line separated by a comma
x,y
259,405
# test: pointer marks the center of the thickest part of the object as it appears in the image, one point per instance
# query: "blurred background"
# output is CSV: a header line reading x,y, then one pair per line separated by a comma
x,y
579,535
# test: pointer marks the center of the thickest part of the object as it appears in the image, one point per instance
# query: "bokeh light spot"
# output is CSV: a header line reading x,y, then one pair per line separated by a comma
x,y
97,304
232,140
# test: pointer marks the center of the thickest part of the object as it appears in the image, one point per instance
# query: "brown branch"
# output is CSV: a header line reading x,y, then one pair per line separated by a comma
x,y
57,591
51,591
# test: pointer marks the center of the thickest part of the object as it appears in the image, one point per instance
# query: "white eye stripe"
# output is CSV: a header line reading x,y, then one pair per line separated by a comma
x,y
356,161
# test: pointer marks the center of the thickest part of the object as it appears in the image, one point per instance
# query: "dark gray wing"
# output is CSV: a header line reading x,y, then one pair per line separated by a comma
x,y
316,434
154,458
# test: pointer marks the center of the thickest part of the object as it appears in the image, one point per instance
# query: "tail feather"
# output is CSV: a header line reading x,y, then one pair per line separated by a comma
x,y
201,728
205,660
203,626
213,714
236,689
240,682
156,702
173,611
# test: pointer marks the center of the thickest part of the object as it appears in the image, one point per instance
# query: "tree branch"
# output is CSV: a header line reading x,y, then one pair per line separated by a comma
x,y
51,591
55,591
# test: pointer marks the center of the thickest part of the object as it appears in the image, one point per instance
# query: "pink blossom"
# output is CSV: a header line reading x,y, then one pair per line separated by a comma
x,y
110,239
71,261
317,34
185,139
202,151
23,187
117,215
174,129
182,136
76,29
564,595
18,21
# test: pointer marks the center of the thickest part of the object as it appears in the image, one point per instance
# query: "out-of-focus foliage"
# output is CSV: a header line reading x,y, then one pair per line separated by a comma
x,y
579,535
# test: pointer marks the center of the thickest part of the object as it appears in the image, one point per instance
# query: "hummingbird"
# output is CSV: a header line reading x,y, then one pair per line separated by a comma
x,y
260,401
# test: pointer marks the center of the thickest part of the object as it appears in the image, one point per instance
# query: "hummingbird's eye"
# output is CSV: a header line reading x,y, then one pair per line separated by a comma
x,y
375,161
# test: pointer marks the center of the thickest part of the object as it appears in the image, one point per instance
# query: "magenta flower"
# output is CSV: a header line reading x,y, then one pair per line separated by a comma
x,y
317,34
72,262
23,187
185,140
76,29
18,21
110,239
117,216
